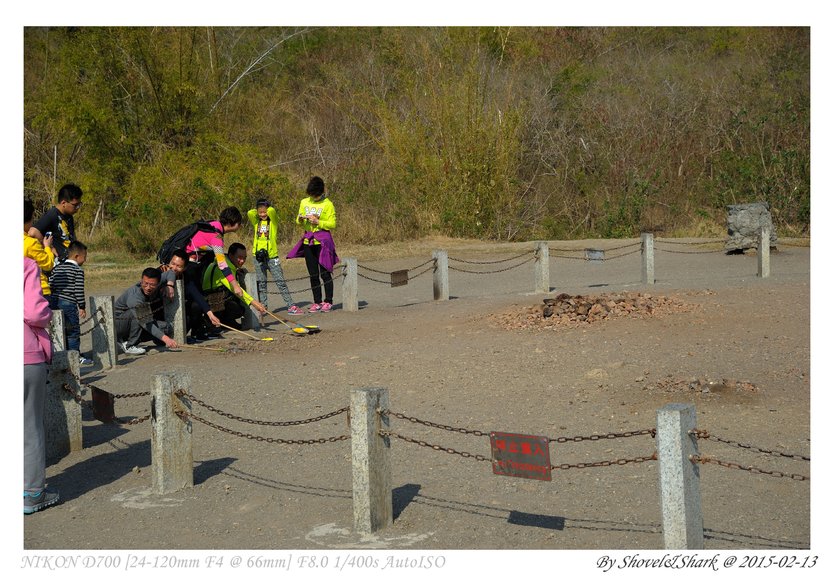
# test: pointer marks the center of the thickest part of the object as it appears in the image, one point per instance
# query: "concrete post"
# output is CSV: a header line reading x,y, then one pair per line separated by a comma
x,y
175,311
172,460
58,331
62,412
250,317
542,268
441,274
680,490
648,258
350,285
764,252
104,331
373,506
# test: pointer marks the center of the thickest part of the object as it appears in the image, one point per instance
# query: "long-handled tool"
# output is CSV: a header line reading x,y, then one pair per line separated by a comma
x,y
245,334
299,330
193,347
311,328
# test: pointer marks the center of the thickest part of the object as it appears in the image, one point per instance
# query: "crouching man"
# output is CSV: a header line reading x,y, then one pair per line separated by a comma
x,y
140,315
215,283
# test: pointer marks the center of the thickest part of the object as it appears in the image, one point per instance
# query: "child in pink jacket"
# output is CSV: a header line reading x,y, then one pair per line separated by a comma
x,y
37,354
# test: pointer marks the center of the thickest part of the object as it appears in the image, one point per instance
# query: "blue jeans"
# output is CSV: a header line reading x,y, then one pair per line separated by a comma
x,y
274,266
72,324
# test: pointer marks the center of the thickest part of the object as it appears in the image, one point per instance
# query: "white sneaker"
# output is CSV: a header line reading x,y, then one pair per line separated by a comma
x,y
136,350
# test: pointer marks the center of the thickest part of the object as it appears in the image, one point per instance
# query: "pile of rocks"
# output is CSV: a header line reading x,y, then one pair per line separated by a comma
x,y
565,310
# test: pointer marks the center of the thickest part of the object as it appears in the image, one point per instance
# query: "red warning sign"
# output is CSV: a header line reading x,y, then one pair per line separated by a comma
x,y
520,455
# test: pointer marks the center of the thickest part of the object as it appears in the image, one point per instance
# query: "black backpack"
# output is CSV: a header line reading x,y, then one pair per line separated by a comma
x,y
180,239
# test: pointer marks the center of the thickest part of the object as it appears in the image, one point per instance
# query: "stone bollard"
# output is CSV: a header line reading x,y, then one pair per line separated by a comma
x,y
680,490
764,252
647,275
251,319
350,285
175,311
542,268
57,331
172,458
62,411
104,331
441,274
373,506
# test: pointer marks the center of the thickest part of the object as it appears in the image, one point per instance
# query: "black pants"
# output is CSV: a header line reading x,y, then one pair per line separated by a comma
x,y
318,275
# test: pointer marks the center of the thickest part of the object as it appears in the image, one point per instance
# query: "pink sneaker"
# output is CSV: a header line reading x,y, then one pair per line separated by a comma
x,y
315,308
326,306
295,310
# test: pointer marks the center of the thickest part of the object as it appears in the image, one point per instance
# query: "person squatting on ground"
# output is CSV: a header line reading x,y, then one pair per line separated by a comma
x,y
264,220
67,285
317,215
37,355
58,221
197,309
214,282
140,315
34,249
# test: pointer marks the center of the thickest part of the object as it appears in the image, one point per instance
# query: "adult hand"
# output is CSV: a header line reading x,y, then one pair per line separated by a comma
x,y
313,219
213,319
169,292
169,342
259,307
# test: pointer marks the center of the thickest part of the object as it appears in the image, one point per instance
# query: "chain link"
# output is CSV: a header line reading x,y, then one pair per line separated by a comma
x,y
414,420
184,394
493,271
517,256
437,447
753,469
686,243
705,435
185,416
609,436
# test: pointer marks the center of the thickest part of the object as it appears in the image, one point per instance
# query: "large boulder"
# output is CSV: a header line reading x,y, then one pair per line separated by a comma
x,y
743,224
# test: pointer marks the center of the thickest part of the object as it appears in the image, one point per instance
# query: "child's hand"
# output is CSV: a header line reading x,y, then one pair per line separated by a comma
x,y
82,313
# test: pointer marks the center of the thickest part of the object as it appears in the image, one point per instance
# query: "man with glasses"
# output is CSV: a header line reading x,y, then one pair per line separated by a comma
x,y
140,315
58,221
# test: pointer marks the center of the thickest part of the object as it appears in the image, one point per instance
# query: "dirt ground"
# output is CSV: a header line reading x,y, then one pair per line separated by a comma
x,y
735,346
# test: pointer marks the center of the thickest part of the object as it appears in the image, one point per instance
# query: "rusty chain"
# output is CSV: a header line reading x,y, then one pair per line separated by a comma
x,y
753,469
360,266
183,393
609,436
479,458
687,243
690,251
615,256
517,256
185,415
88,404
414,420
705,435
493,271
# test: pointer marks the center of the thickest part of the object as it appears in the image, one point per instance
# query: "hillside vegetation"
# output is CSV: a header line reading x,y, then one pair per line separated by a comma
x,y
489,133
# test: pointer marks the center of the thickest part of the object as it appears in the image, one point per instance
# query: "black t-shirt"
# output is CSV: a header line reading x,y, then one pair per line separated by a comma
x,y
62,228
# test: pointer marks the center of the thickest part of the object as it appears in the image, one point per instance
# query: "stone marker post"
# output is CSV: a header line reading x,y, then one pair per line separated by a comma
x,y
680,490
175,311
172,460
441,274
542,268
62,412
373,506
648,258
57,331
104,331
251,320
764,252
350,285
